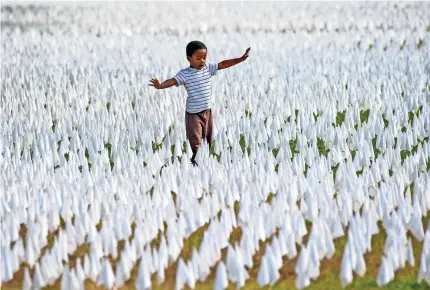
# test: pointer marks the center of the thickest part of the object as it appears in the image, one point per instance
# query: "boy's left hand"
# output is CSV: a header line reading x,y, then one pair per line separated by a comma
x,y
155,83
246,55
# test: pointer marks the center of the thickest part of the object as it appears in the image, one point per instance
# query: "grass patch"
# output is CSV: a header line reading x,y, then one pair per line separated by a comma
x,y
174,195
211,150
334,169
270,197
404,154
375,150
317,114
418,111
364,116
340,117
54,125
411,116
419,43
385,121
247,113
305,172
242,143
156,147
329,268
322,148
293,144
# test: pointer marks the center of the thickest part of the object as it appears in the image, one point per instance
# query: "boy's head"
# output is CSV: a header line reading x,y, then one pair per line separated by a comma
x,y
196,54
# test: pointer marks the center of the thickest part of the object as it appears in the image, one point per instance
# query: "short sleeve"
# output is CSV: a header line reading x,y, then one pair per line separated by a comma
x,y
180,79
213,67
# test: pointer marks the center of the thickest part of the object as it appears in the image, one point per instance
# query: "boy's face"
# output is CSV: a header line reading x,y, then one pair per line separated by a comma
x,y
198,59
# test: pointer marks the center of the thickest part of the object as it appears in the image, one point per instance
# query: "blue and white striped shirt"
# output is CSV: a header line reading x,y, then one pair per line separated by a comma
x,y
198,86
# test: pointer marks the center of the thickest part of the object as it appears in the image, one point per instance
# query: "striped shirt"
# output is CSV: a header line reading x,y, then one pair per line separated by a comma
x,y
198,86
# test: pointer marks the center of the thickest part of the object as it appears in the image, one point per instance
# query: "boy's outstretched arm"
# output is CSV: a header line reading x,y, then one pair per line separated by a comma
x,y
230,62
164,85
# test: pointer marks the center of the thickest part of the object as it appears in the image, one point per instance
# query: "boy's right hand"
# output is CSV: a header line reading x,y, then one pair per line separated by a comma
x,y
155,83
164,85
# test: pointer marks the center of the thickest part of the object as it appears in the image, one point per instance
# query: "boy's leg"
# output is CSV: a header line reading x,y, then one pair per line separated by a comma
x,y
208,127
194,130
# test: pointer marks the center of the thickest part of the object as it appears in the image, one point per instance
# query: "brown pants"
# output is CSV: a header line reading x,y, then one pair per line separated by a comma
x,y
198,127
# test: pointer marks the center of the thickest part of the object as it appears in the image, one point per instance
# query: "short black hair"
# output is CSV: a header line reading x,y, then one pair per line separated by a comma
x,y
193,46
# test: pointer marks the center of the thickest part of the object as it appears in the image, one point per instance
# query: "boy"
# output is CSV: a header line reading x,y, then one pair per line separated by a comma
x,y
197,81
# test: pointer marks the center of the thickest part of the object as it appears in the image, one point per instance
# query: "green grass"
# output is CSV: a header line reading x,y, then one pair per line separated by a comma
x,y
385,121
404,154
375,150
242,142
305,172
364,116
54,125
334,169
275,152
293,147
211,150
419,43
329,278
411,116
340,118
317,114
322,148
108,146
329,268
418,111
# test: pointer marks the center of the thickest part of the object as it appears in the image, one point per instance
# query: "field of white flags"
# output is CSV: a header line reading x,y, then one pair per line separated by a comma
x,y
318,178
